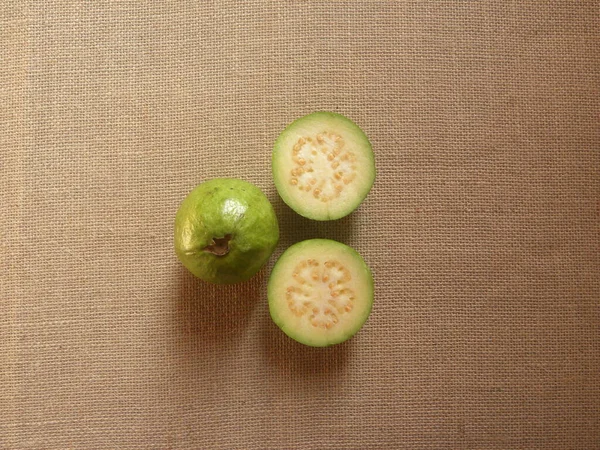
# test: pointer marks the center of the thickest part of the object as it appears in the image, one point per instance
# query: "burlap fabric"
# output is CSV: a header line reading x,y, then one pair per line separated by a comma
x,y
482,229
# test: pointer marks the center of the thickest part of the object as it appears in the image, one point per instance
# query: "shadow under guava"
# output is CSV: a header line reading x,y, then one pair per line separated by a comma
x,y
283,354
294,228
291,358
216,315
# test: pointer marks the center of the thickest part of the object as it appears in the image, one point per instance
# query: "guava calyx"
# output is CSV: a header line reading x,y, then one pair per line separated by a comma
x,y
219,246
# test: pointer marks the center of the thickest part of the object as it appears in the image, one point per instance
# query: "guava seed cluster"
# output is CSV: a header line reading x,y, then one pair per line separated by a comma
x,y
322,165
319,292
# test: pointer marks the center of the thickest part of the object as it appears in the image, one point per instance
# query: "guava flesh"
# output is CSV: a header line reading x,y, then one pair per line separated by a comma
x,y
225,231
323,166
320,292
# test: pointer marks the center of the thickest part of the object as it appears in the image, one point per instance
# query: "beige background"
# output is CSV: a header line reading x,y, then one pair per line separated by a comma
x,y
482,229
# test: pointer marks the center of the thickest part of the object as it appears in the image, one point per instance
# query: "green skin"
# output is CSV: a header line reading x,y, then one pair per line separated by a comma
x,y
215,209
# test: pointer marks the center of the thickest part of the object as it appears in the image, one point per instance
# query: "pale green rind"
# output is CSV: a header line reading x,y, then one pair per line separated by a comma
x,y
318,247
333,122
219,207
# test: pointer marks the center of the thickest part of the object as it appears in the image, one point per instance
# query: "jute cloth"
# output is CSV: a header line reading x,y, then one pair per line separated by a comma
x,y
482,229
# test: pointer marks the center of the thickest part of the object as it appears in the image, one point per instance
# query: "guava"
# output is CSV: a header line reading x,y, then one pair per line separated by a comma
x,y
225,231
320,292
323,166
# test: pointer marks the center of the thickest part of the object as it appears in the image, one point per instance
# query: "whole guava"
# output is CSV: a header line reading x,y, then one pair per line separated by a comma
x,y
225,231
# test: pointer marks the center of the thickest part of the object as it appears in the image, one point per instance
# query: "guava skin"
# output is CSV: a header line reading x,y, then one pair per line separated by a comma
x,y
225,207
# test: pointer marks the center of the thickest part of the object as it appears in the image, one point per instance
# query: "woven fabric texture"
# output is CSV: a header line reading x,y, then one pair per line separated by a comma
x,y
482,228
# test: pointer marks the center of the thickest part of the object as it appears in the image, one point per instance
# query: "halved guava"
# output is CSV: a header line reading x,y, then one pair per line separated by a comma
x,y
320,292
323,166
225,230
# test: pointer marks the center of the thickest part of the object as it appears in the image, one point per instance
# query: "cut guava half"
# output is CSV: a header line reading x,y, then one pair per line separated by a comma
x,y
320,292
323,166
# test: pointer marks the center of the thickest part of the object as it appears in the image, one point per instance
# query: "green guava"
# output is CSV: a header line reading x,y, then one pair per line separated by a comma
x,y
225,231
320,292
323,166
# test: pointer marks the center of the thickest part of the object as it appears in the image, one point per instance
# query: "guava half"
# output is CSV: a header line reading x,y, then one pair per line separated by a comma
x,y
320,292
225,231
323,166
